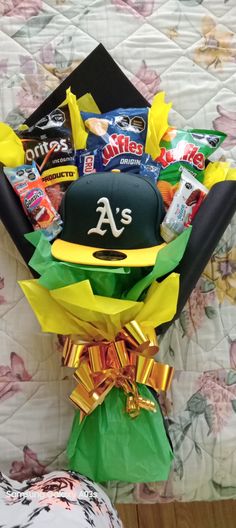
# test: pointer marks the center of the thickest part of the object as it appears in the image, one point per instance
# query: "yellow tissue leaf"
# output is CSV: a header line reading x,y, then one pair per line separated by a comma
x,y
78,130
76,310
157,124
215,172
87,104
12,153
161,301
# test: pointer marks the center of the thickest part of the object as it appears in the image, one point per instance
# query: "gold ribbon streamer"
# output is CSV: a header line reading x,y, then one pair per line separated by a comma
x,y
122,363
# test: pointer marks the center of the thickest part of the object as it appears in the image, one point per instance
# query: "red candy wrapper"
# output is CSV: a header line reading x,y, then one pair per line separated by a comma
x,y
27,183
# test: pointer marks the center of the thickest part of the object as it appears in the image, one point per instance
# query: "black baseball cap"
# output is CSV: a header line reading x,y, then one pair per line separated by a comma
x,y
110,219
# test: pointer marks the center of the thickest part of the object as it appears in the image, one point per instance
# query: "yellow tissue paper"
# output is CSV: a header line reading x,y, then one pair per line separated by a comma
x,y
86,103
67,310
218,171
160,303
78,130
11,150
231,174
157,124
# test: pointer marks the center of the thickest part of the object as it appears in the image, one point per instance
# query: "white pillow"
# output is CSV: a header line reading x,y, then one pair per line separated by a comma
x,y
57,499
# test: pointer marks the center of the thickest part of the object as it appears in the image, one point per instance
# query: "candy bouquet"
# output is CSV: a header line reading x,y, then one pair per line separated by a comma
x,y
111,197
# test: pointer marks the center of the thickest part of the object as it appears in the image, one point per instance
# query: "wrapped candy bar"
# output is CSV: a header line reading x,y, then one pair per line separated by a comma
x,y
28,185
184,206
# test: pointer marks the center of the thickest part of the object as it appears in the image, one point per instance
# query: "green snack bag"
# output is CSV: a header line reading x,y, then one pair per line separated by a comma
x,y
110,445
186,147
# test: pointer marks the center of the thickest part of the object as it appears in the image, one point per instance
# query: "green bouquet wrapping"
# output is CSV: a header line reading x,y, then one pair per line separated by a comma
x,y
108,443
109,315
93,305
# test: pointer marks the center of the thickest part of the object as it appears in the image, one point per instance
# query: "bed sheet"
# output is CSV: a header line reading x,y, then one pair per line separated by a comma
x,y
186,48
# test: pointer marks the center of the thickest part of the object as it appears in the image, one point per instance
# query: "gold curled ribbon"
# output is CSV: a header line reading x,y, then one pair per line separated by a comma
x,y
121,363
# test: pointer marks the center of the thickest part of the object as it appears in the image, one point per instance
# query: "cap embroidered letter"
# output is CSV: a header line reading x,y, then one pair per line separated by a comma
x,y
106,217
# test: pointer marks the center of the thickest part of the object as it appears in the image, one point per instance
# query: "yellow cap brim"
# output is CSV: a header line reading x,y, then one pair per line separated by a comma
x,y
78,254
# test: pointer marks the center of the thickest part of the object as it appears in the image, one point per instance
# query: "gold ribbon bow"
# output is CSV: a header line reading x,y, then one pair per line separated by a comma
x,y
122,363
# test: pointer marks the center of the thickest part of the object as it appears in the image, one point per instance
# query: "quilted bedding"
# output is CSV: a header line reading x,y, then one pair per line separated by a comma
x,y
186,48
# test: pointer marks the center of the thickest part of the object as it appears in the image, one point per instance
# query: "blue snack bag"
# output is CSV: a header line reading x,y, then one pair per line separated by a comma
x,y
149,168
89,161
121,136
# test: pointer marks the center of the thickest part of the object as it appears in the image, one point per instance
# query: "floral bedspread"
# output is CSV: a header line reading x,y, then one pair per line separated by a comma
x,y
186,48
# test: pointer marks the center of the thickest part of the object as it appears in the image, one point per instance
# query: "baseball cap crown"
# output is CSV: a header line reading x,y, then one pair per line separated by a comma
x,y
111,211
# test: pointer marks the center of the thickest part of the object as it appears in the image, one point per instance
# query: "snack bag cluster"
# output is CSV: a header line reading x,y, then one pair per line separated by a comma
x,y
75,140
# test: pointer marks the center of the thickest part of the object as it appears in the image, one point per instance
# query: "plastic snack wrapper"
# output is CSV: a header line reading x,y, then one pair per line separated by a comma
x,y
167,191
184,206
89,161
215,172
118,139
49,143
121,134
149,168
190,148
28,185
